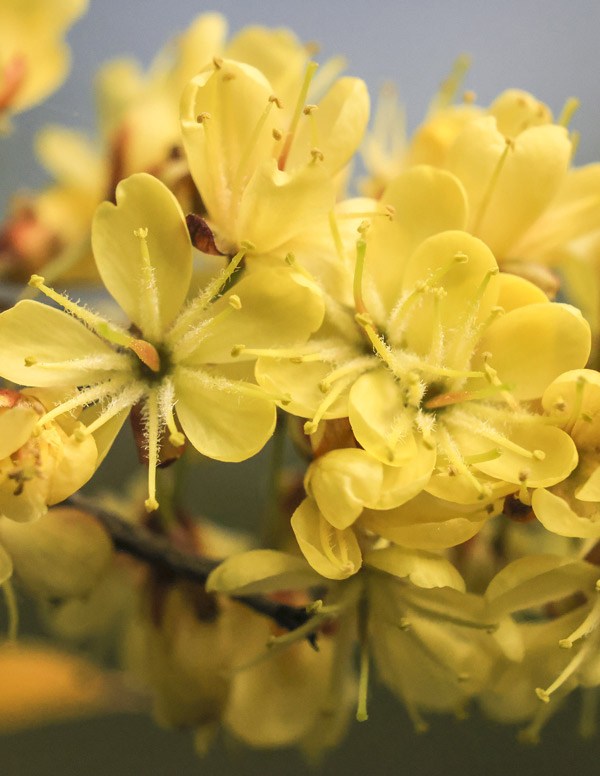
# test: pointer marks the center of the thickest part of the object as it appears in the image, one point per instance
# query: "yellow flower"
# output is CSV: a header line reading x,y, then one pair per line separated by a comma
x,y
448,355
34,59
181,358
39,469
264,169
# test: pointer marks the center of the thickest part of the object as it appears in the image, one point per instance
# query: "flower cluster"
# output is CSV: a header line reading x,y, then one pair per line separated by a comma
x,y
429,347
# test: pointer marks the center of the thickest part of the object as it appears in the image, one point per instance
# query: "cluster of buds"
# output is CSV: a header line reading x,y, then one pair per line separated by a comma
x,y
444,405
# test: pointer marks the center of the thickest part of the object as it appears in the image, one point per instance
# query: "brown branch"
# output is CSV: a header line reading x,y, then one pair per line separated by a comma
x,y
141,543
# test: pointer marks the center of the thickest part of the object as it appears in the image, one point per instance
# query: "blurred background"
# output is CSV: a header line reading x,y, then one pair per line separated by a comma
x,y
547,47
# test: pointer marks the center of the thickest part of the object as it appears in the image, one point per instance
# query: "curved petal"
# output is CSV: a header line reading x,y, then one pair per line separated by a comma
x,y
221,422
379,419
261,571
340,122
16,425
577,387
276,205
515,291
280,308
426,523
529,177
532,345
333,553
558,461
31,330
423,569
77,464
402,483
143,202
556,515
341,482
470,287
426,201
516,110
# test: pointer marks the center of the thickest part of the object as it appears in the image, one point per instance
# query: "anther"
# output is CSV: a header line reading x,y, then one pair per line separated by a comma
x,y
308,109
276,100
36,281
363,227
317,154
539,455
151,504
202,117
247,245
390,211
469,97
404,624
235,302
30,361
217,62
277,134
237,350
460,257
542,695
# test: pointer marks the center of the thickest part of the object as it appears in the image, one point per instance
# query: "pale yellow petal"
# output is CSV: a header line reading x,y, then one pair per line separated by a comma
x,y
555,514
530,346
333,553
516,111
35,331
376,412
219,422
423,569
277,205
402,483
341,482
575,398
261,571
77,464
16,425
143,202
515,291
426,523
340,121
280,308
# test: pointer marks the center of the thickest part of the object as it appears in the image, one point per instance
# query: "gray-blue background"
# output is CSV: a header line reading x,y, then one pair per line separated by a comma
x,y
545,46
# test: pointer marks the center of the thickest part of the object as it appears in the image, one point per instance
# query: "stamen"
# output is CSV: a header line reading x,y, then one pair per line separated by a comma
x,y
251,145
577,404
458,397
489,455
152,431
310,426
483,206
127,398
290,259
571,106
310,71
450,86
309,111
357,365
204,299
149,300
591,622
81,399
567,672
92,320
455,458
363,683
361,249
524,496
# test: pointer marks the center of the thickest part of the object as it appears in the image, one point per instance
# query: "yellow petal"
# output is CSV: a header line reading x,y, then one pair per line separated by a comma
x,y
555,514
219,422
340,121
423,569
77,464
277,205
31,330
575,397
376,406
532,345
341,482
461,282
516,111
143,202
426,523
203,39
426,201
16,425
261,571
528,179
280,308
590,490
333,553
515,291
402,483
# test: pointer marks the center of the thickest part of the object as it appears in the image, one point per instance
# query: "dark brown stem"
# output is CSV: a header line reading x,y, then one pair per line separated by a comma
x,y
141,543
